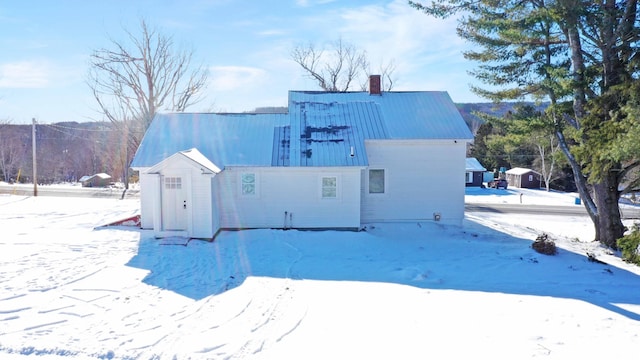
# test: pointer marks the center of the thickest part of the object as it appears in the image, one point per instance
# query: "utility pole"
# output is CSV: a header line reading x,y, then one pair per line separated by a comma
x,y
35,163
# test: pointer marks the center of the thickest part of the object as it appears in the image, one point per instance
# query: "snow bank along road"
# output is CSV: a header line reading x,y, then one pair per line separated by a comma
x,y
67,191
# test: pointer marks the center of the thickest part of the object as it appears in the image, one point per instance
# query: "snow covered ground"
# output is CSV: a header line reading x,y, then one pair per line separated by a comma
x,y
512,196
395,291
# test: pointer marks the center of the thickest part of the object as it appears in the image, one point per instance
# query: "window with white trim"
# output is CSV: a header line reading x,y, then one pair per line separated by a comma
x,y
469,177
530,178
329,187
248,184
376,181
171,183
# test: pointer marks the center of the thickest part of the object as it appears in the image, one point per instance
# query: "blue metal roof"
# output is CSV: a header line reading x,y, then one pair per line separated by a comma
x,y
225,139
406,114
321,129
474,165
332,134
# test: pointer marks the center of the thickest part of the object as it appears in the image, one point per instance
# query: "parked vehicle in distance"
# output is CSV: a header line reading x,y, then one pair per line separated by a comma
x,y
498,184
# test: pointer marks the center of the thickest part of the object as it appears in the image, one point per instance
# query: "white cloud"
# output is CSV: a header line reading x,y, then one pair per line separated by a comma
x,y
397,30
25,74
228,78
426,51
307,3
272,32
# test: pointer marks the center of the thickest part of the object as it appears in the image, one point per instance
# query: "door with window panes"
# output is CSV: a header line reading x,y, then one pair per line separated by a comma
x,y
174,203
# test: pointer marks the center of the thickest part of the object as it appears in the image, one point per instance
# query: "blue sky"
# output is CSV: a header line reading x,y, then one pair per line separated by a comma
x,y
45,47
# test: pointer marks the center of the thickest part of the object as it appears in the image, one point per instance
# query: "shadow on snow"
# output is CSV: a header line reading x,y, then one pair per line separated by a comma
x,y
428,255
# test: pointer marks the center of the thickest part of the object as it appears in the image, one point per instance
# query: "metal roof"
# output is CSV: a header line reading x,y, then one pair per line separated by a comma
x,y
474,165
520,171
224,139
332,134
406,114
321,129
195,157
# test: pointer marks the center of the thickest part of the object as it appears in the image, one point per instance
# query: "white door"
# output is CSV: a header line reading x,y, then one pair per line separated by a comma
x,y
174,203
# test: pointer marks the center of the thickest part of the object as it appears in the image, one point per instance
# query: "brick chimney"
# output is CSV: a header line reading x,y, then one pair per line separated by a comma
x,y
375,87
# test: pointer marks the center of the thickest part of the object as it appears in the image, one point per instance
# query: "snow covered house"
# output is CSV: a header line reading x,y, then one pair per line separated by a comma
x,y
96,180
335,160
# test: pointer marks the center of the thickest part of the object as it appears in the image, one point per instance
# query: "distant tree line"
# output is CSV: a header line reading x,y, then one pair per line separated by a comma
x,y
66,151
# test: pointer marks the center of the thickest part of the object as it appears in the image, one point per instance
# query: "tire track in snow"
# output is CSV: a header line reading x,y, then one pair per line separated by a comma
x,y
279,319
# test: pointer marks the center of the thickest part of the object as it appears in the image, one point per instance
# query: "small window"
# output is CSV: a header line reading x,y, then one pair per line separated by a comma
x,y
248,184
530,178
469,177
376,181
329,187
173,183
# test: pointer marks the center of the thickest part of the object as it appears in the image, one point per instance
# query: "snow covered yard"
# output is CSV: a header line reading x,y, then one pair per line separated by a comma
x,y
513,196
395,291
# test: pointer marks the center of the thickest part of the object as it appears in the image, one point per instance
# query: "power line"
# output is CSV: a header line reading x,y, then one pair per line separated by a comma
x,y
104,128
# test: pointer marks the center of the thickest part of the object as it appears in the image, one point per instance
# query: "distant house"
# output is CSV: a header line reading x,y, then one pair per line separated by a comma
x,y
334,160
97,180
524,178
474,172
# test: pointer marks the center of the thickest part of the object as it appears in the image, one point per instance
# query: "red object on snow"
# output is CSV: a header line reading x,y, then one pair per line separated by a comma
x,y
131,221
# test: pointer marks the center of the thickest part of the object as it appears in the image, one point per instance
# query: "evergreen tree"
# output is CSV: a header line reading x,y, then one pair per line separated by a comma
x,y
582,57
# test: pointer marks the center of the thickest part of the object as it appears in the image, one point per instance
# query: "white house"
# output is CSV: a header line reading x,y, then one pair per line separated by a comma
x,y
335,160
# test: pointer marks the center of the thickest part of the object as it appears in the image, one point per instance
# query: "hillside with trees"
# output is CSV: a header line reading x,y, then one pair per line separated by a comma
x,y
65,152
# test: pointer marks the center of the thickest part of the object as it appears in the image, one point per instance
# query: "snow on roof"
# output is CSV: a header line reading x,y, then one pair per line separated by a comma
x,y
200,159
194,156
520,171
102,176
321,129
474,165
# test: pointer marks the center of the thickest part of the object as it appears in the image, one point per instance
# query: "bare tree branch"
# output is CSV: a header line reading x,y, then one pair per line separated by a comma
x,y
133,80
338,69
385,71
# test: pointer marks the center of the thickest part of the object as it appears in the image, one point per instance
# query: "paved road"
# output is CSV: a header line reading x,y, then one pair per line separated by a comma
x,y
571,210
71,191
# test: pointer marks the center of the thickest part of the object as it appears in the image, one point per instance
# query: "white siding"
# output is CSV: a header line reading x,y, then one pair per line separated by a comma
x,y
198,197
422,177
215,213
148,195
296,191
201,209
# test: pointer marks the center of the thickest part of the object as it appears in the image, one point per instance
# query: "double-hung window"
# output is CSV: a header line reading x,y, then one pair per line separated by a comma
x,y
376,181
329,187
248,184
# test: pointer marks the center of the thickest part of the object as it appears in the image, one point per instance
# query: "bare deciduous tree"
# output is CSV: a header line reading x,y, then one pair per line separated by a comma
x,y
548,149
132,81
12,151
385,70
340,68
